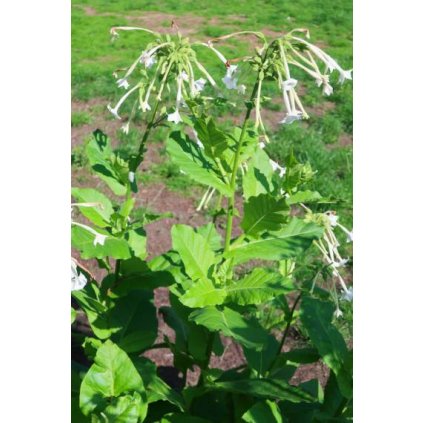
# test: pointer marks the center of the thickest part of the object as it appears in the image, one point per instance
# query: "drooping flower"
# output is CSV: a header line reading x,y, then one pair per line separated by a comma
x,y
148,59
333,218
78,280
340,263
199,84
241,89
114,111
123,83
229,79
338,313
289,84
125,128
347,295
174,117
277,168
291,117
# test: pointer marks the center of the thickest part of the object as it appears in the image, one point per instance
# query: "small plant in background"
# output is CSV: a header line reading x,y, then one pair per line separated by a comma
x,y
251,287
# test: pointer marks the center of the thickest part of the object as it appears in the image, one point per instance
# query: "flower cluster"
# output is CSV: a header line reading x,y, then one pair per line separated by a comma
x,y
166,62
328,246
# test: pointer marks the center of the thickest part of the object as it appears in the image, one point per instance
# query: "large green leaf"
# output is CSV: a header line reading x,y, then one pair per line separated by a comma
x,y
133,321
137,240
258,179
264,213
210,234
231,323
157,389
304,197
316,316
100,156
289,242
263,412
111,375
195,253
99,214
215,141
259,286
203,293
125,409
83,240
262,360
191,159
265,388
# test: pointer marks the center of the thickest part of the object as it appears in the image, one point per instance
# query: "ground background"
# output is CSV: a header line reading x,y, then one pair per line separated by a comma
x,y
325,140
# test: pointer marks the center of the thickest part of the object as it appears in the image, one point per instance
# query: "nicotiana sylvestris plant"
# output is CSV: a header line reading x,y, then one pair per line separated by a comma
x,y
283,268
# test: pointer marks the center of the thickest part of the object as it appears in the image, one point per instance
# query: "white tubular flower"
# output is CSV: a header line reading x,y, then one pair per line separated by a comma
x,y
99,238
338,313
289,84
123,83
131,177
347,295
148,59
144,106
229,79
343,75
78,280
241,89
174,117
184,76
277,168
350,236
113,111
262,144
291,117
332,218
199,84
340,263
125,128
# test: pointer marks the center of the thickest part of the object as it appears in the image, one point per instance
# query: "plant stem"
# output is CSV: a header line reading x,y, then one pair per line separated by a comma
x,y
138,159
291,315
231,199
281,344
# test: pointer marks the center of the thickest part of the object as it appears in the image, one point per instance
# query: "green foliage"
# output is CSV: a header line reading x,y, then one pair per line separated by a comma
x,y
217,282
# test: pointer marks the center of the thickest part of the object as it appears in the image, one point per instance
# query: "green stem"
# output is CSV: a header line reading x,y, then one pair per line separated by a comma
x,y
138,159
231,199
281,344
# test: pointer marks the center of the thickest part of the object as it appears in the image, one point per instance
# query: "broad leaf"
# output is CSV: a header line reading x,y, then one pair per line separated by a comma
x,y
215,141
263,412
195,253
137,240
259,286
258,178
262,360
100,154
316,317
190,158
265,388
203,293
264,213
134,322
247,332
111,375
126,409
83,240
98,214
210,234
304,197
289,242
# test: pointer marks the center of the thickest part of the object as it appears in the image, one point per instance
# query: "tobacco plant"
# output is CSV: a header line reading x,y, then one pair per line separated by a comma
x,y
281,268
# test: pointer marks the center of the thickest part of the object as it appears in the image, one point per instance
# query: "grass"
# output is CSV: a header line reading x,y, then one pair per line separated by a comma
x,y
94,58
